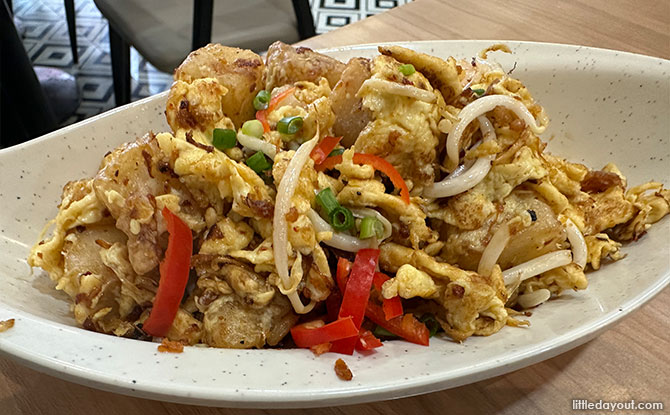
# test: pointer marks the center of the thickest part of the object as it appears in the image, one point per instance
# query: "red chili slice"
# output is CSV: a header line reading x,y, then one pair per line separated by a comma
x,y
367,341
307,335
387,168
392,306
407,327
333,303
377,163
321,151
262,115
174,271
356,295
342,274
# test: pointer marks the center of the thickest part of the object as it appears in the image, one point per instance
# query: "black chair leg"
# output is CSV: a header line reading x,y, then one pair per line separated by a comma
x,y
72,29
303,13
120,67
202,23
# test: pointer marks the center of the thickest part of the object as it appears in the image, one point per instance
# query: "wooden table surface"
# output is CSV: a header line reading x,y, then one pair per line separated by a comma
x,y
629,361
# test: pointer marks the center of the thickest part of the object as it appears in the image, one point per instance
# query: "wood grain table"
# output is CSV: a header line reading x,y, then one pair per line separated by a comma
x,y
629,361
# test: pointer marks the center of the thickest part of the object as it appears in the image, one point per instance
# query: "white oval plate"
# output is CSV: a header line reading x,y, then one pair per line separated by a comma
x,y
604,106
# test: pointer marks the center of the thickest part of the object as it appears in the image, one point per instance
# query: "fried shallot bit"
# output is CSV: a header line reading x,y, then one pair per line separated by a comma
x,y
599,181
342,370
6,325
190,140
261,208
320,349
168,346
103,244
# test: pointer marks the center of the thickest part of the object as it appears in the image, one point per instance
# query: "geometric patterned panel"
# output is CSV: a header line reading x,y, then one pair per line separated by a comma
x,y
331,14
46,40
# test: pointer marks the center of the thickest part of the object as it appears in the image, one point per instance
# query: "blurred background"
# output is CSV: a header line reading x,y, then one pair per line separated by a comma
x,y
67,44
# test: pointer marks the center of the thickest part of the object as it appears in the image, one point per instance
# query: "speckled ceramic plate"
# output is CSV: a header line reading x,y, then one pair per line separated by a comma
x,y
604,106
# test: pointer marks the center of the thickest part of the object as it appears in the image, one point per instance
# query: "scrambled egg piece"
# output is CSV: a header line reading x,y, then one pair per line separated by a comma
x,y
469,210
605,210
226,236
185,328
404,130
557,280
134,288
473,304
651,202
350,170
79,206
301,233
599,247
311,102
216,177
262,256
410,282
197,105
443,75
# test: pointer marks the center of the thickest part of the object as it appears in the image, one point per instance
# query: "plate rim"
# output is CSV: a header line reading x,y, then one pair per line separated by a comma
x,y
425,384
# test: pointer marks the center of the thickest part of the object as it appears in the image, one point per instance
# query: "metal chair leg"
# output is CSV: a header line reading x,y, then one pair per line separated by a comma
x,y
72,29
120,50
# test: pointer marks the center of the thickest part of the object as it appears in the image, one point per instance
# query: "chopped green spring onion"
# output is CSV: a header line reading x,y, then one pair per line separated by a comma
x,y
326,199
407,69
223,138
381,332
479,91
289,125
258,162
431,323
336,152
371,226
341,218
262,100
253,128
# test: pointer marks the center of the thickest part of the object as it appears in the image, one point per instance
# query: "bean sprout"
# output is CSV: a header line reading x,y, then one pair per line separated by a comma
x,y
538,265
493,250
480,107
363,212
533,299
399,89
513,285
285,192
577,244
339,240
256,144
459,181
